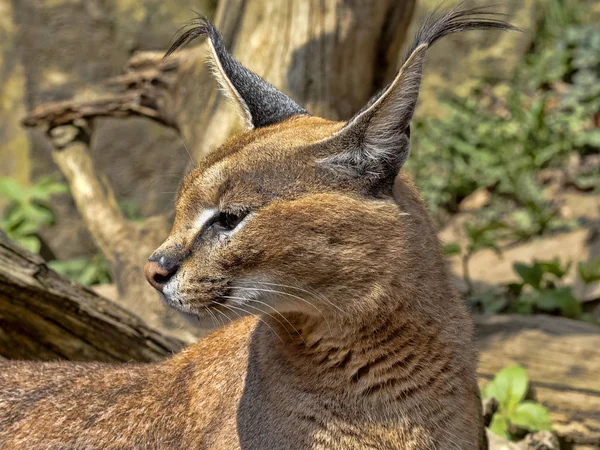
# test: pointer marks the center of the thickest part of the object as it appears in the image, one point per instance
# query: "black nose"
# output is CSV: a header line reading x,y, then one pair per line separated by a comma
x,y
160,270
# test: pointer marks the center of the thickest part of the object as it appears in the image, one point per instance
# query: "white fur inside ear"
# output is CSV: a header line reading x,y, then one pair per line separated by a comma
x,y
228,88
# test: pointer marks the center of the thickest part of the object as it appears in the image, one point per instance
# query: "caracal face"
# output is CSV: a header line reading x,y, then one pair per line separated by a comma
x,y
261,225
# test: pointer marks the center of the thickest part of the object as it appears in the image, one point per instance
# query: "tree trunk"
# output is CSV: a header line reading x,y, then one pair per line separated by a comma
x,y
329,55
45,316
126,245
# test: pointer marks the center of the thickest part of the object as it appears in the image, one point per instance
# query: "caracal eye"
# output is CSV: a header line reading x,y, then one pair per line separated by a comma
x,y
229,221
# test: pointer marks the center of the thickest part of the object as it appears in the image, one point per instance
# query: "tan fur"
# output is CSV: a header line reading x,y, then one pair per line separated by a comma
x,y
368,346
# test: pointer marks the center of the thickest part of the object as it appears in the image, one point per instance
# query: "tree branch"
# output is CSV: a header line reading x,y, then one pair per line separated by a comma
x,y
45,316
125,245
143,91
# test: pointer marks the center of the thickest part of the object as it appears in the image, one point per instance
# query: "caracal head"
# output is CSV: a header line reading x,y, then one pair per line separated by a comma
x,y
299,213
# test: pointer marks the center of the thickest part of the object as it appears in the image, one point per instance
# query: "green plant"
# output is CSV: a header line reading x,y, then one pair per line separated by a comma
x,y
510,387
131,211
542,288
498,141
84,270
28,209
589,272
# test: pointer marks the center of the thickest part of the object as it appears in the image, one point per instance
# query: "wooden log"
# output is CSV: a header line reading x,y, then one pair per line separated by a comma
x,y
44,316
562,359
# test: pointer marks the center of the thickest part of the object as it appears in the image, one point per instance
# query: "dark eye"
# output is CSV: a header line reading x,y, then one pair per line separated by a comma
x,y
229,221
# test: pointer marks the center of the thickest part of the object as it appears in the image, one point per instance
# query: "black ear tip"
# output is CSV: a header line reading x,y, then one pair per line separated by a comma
x,y
200,26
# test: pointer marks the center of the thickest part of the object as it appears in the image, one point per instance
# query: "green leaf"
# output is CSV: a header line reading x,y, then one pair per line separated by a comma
x,y
451,249
531,275
38,214
559,298
499,425
589,272
13,218
28,228
86,271
548,300
489,390
12,190
522,219
525,302
554,267
30,243
44,191
531,416
508,387
492,303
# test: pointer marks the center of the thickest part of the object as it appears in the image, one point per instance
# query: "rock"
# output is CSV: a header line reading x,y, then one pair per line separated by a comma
x,y
487,268
541,440
498,443
579,205
477,199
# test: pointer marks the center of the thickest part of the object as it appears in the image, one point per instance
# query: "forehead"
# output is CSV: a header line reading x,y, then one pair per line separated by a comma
x,y
264,160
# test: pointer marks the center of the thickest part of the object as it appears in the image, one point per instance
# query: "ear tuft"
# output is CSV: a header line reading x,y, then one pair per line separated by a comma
x,y
261,103
375,141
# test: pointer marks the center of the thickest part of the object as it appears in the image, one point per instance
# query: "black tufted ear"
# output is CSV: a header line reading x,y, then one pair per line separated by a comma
x,y
260,102
375,144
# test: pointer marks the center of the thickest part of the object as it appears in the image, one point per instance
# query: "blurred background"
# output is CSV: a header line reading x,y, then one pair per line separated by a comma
x,y
96,131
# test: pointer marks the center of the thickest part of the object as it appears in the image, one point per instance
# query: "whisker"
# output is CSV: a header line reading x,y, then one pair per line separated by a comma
x,y
283,317
187,150
254,315
224,315
268,314
283,293
212,316
257,309
291,295
277,312
315,294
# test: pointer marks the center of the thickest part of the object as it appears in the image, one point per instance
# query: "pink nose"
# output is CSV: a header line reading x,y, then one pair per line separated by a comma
x,y
157,275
